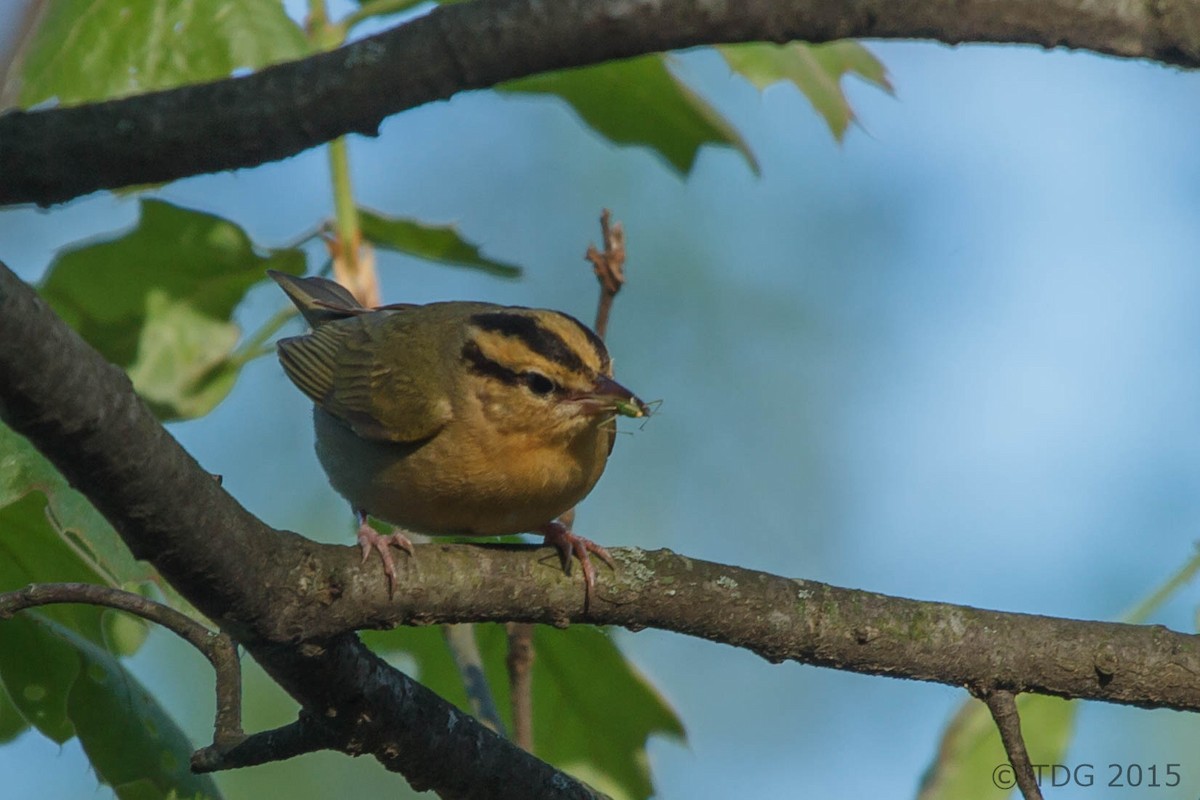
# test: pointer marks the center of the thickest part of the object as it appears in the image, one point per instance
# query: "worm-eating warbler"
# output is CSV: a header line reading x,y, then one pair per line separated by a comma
x,y
464,419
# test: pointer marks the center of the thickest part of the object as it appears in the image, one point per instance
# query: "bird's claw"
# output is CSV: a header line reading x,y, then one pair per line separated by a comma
x,y
370,539
571,546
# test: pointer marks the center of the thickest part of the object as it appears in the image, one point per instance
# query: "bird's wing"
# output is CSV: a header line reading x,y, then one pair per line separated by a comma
x,y
373,374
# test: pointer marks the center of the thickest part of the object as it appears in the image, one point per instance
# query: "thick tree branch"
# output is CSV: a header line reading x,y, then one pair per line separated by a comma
x,y
51,156
81,412
778,618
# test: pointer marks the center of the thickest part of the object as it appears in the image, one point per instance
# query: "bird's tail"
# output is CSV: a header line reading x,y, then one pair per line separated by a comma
x,y
320,300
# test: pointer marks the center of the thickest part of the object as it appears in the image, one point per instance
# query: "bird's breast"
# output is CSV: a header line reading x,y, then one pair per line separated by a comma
x,y
462,481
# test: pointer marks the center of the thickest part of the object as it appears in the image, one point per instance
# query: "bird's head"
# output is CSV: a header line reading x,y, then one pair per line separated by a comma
x,y
543,370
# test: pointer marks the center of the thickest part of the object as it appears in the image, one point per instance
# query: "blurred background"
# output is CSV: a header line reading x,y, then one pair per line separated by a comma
x,y
956,358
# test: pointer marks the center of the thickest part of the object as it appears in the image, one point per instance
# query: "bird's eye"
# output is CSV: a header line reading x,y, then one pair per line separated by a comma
x,y
538,383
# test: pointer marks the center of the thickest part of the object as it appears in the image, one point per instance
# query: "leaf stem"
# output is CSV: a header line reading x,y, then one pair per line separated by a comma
x,y
324,35
345,211
254,346
376,8
316,24
1142,611
304,238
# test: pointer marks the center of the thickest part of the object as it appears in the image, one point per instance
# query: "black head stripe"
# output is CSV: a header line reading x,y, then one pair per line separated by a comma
x,y
482,365
545,343
595,341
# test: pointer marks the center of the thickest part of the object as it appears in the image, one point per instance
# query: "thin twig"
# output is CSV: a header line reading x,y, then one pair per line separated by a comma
x,y
1003,705
300,737
609,267
520,681
218,648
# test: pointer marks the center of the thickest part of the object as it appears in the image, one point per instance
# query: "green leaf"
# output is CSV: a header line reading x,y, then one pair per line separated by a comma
x,y
816,70
441,243
183,367
38,669
53,661
590,736
579,677
639,101
33,551
970,751
158,301
50,532
124,634
12,724
68,686
83,50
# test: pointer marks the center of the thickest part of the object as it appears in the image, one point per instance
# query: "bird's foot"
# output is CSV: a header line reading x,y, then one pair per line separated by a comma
x,y
370,539
571,546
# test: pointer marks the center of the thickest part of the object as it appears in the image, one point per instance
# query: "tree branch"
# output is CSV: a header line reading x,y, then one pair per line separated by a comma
x,y
52,156
775,617
519,663
305,735
1003,705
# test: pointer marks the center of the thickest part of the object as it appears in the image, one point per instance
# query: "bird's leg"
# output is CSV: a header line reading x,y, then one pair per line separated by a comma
x,y
369,539
569,545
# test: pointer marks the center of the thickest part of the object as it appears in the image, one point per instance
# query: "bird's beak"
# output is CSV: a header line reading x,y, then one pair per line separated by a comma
x,y
608,396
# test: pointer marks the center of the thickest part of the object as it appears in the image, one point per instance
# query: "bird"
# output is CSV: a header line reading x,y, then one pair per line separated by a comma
x,y
456,418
